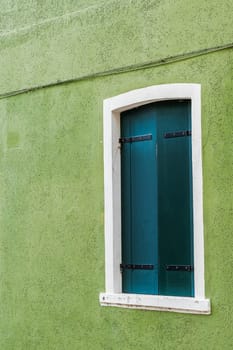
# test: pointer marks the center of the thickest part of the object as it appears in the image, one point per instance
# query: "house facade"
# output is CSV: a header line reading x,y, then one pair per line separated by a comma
x,y
70,72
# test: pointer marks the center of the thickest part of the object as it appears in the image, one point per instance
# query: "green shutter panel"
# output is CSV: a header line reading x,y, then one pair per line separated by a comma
x,y
126,205
139,193
156,178
175,199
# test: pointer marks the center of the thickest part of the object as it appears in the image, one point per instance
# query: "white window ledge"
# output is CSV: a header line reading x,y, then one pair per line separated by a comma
x,y
156,302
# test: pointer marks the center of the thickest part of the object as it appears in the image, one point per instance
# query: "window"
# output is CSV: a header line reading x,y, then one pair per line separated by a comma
x,y
154,251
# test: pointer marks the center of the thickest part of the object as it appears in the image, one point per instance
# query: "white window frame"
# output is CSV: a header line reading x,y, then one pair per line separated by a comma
x,y
113,295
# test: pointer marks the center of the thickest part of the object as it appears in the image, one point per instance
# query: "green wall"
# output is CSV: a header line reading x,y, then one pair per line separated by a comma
x,y
51,168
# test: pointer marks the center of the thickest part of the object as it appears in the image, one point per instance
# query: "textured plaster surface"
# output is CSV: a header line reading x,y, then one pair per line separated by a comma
x,y
16,14
96,38
51,186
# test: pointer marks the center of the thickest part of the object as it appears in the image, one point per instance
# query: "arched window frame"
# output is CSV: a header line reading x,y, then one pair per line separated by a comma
x,y
113,295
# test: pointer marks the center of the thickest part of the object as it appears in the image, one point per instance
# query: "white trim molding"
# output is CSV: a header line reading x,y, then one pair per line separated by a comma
x,y
112,188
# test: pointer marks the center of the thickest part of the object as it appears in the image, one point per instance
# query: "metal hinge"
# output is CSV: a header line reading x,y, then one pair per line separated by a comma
x,y
187,268
135,138
136,267
183,133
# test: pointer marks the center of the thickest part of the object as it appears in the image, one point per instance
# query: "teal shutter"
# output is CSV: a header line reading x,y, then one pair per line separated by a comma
x,y
175,199
156,178
139,212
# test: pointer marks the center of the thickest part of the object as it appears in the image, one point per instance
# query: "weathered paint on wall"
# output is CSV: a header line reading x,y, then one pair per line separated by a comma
x,y
113,34
51,182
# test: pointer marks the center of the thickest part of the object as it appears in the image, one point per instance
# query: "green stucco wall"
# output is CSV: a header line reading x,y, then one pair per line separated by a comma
x,y
51,167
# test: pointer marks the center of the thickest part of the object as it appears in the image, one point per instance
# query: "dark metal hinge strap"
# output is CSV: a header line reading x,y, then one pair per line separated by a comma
x,y
187,268
183,133
135,138
136,267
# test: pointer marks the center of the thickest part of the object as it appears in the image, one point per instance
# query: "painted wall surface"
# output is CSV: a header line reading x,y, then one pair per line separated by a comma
x,y
115,33
51,169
